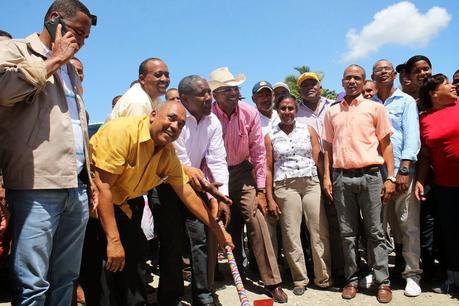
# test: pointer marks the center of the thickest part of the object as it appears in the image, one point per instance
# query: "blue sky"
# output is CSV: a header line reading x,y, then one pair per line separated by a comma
x,y
262,39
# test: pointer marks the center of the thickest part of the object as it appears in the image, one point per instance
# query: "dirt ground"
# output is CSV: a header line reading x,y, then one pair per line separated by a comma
x,y
226,294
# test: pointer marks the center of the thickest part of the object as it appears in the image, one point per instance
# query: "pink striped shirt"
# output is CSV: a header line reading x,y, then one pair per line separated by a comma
x,y
243,138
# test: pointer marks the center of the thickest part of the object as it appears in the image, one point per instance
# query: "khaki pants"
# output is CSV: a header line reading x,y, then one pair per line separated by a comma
x,y
242,192
403,215
271,222
301,198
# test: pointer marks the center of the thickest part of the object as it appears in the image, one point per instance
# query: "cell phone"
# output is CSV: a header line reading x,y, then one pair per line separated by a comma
x,y
51,27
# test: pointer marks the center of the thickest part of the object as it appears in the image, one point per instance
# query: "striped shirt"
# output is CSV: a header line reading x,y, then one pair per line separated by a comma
x,y
243,138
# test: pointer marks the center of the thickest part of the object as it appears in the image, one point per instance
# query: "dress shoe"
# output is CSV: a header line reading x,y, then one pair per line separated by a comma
x,y
349,291
384,294
277,293
298,290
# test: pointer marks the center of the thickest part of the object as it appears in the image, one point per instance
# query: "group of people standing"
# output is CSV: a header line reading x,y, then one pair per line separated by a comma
x,y
354,171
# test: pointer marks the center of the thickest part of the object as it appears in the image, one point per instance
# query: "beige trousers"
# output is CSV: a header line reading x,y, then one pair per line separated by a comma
x,y
242,193
301,198
271,222
403,216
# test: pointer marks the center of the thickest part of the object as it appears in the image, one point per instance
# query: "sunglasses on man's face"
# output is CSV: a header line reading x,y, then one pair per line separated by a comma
x,y
227,89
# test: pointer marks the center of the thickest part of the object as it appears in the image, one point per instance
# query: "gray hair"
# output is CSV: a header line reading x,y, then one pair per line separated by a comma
x,y
357,66
188,84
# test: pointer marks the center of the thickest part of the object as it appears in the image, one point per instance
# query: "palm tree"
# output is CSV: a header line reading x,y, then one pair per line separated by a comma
x,y
290,80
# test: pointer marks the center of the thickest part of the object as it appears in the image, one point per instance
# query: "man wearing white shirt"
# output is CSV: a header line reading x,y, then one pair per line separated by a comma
x,y
262,96
200,145
143,96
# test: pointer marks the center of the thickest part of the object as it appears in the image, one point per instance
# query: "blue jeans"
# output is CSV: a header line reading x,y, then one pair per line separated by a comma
x,y
48,232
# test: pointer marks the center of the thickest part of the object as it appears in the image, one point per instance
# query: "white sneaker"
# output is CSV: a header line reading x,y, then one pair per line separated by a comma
x,y
366,282
412,287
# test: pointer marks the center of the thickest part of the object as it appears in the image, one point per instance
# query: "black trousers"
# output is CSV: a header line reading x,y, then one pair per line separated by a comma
x,y
448,213
125,288
173,220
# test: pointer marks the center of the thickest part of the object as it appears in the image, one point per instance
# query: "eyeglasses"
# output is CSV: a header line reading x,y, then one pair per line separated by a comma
x,y
227,89
382,69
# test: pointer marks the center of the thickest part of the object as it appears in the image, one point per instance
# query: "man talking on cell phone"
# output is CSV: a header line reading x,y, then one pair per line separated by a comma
x,y
44,156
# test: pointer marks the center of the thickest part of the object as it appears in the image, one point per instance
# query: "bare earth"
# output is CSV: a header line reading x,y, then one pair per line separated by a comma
x,y
226,295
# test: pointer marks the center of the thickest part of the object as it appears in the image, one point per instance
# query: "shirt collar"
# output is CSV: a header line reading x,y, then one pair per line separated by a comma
x,y
37,46
396,94
356,101
190,115
322,102
144,134
221,113
139,86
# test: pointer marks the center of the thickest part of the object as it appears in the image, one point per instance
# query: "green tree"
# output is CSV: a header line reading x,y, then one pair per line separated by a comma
x,y
290,80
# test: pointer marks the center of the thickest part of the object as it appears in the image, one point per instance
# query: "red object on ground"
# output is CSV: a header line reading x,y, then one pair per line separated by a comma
x,y
264,302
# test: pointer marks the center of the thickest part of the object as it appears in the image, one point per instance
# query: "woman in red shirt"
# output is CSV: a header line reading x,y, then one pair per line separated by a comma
x,y
440,150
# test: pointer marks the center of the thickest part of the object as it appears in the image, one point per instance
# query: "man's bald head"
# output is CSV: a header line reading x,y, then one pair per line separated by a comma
x,y
167,122
168,105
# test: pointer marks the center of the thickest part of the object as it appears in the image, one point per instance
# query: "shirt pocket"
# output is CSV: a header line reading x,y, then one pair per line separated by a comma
x,y
243,141
395,116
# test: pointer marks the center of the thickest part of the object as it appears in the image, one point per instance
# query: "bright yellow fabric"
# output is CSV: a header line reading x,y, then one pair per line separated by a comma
x,y
124,147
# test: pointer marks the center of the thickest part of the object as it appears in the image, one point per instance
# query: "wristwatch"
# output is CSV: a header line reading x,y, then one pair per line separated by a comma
x,y
404,171
262,190
392,179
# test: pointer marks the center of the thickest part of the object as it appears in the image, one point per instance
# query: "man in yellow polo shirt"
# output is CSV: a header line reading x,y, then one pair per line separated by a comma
x,y
132,155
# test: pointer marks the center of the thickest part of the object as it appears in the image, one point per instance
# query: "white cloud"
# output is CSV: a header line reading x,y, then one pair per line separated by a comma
x,y
400,24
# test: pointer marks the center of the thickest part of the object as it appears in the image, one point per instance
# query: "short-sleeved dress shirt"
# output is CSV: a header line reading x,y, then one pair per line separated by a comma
x,y
124,147
354,130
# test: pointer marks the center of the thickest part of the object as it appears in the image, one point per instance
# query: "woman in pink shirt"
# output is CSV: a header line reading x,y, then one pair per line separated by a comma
x,y
293,193
439,126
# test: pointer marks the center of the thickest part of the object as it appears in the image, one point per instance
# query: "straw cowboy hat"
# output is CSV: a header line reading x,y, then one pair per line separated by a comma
x,y
223,77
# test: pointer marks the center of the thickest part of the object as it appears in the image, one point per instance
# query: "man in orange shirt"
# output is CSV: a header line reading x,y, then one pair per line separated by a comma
x,y
356,130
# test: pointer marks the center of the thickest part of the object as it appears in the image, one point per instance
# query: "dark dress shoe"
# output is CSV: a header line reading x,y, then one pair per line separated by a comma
x,y
384,294
277,294
349,291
